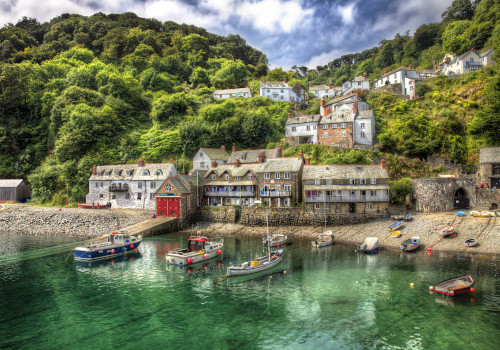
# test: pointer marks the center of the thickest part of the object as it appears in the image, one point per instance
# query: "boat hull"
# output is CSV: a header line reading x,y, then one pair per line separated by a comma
x,y
395,226
90,253
455,286
196,257
240,271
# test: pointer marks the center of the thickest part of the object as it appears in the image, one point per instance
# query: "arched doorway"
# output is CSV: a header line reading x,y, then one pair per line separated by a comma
x,y
461,200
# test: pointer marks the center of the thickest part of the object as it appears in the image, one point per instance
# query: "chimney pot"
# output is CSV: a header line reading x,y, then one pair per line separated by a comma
x,y
284,80
280,152
94,170
261,157
409,66
382,163
223,147
364,75
309,84
308,160
261,79
322,103
140,162
234,149
237,162
214,163
171,160
301,154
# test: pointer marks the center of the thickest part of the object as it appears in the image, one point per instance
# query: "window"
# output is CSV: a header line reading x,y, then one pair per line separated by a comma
x,y
325,135
153,185
277,175
139,195
317,182
118,172
343,134
472,59
362,125
327,205
287,188
362,181
353,193
101,196
282,91
97,184
201,154
363,135
130,172
286,175
151,196
308,127
294,128
317,206
369,205
159,172
226,176
334,126
267,176
341,116
213,176
139,185
236,178
202,164
113,196
373,193
373,181
329,182
127,195
314,127
145,173
325,126
342,125
249,176
495,169
352,181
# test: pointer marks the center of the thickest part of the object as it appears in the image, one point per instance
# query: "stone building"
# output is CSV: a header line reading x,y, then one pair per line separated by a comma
x,y
345,188
252,156
128,185
203,159
180,196
489,166
337,127
14,190
344,102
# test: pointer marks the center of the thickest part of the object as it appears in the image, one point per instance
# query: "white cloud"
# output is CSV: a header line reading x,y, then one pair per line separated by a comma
x,y
347,13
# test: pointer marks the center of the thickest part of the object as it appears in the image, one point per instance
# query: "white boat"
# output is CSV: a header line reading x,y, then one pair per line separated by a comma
x,y
471,242
483,214
369,246
447,230
324,239
200,248
276,240
260,264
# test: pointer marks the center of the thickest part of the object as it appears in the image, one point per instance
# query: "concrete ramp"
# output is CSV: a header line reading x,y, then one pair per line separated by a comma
x,y
152,227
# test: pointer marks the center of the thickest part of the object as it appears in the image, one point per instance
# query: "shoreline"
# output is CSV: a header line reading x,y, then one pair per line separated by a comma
x,y
88,223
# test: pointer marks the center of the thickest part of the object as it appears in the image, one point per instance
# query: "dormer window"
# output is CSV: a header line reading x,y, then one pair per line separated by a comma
x,y
145,173
213,176
118,172
249,176
236,178
130,172
159,172
226,176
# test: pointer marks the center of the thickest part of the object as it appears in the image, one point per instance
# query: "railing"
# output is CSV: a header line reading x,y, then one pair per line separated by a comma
x,y
230,193
118,188
346,199
275,193
472,64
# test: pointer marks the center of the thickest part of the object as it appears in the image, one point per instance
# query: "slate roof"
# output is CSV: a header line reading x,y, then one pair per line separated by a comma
x,y
270,165
366,114
318,87
345,115
471,50
215,153
396,70
274,85
304,119
489,155
342,98
138,172
233,91
282,164
10,182
233,170
179,184
361,78
252,156
346,187
342,171
485,52
191,179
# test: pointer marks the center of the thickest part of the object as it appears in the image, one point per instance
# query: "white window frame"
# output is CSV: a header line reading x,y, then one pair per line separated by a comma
x,y
152,184
362,125
277,176
325,135
226,176
213,177
373,181
325,126
249,176
343,134
343,125
334,126
286,175
362,135
369,205
362,181
287,187
317,182
267,176
352,181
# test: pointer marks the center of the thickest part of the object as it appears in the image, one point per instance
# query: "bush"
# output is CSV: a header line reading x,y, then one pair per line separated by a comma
x,y
399,190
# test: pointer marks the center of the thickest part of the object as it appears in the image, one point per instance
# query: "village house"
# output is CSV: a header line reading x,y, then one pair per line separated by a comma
x,y
465,63
229,93
343,102
364,127
403,80
180,196
252,156
128,185
203,159
302,129
327,91
337,128
489,166
14,190
343,189
358,83
281,91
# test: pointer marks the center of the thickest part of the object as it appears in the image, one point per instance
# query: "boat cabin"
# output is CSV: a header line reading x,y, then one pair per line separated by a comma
x,y
119,238
197,243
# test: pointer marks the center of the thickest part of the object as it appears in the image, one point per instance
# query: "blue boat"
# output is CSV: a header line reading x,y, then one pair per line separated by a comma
x,y
118,243
395,225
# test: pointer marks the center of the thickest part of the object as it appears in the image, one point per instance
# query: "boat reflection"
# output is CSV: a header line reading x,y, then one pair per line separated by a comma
x,y
199,268
107,262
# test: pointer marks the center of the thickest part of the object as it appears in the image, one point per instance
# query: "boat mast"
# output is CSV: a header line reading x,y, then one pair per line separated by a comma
x,y
268,241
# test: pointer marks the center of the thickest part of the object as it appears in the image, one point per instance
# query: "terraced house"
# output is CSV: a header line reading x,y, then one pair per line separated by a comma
x,y
302,129
281,91
345,188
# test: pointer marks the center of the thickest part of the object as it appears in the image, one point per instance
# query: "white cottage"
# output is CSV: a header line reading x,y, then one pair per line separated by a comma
x,y
364,127
468,62
359,83
128,185
281,91
203,159
302,129
327,91
399,76
228,93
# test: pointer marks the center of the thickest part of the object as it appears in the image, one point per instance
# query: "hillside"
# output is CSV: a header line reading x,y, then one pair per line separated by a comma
x,y
109,89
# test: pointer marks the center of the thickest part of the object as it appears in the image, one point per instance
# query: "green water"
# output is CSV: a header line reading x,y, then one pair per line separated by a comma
x,y
331,298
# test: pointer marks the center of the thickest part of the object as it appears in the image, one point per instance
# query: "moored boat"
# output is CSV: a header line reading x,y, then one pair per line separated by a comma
x,y
200,248
455,286
395,226
407,217
471,242
117,243
395,234
324,239
483,214
447,230
369,246
276,240
410,244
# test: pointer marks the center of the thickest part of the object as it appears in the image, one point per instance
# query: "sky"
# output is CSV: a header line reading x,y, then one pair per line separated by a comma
x,y
290,32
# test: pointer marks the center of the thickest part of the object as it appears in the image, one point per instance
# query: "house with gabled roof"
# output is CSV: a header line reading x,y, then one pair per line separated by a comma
x,y
358,83
180,196
343,102
327,91
465,63
489,166
282,91
402,79
301,129
203,159
252,156
229,93
14,190
341,189
487,58
128,185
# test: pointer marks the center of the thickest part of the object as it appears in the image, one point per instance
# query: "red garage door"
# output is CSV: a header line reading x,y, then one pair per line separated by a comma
x,y
167,206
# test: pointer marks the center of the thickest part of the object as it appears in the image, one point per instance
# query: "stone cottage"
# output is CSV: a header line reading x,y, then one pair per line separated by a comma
x,y
489,166
203,159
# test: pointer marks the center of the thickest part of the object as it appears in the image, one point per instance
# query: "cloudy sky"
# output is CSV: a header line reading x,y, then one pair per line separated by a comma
x,y
289,32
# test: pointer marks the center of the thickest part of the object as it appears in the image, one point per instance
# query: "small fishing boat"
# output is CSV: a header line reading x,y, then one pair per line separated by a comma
x,y
395,234
471,242
483,214
397,217
200,248
324,239
369,246
460,213
260,264
455,286
407,217
117,243
395,226
276,240
411,244
447,230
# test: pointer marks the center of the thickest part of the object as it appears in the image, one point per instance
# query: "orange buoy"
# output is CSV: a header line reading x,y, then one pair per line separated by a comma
x,y
219,251
431,288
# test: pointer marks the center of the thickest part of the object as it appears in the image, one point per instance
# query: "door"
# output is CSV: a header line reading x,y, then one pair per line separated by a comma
x,y
352,207
167,206
461,201
495,182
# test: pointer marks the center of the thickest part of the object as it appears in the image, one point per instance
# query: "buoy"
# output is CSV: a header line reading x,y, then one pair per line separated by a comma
x,y
472,290
219,263
431,288
189,261
112,251
135,250
131,258
112,262
429,253
472,299
205,255
219,251
190,269
429,249
131,246
284,272
412,284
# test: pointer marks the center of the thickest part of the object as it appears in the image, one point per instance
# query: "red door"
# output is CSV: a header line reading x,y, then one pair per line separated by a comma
x,y
167,206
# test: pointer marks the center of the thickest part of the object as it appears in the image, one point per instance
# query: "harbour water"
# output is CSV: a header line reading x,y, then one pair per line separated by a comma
x,y
327,298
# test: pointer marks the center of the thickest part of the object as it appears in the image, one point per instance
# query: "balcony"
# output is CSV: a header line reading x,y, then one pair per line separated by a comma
x,y
473,64
346,199
118,188
275,193
230,193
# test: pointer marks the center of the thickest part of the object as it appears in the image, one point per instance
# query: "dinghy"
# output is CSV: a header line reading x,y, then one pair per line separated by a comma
x,y
447,230
395,226
455,286
410,244
369,246
471,242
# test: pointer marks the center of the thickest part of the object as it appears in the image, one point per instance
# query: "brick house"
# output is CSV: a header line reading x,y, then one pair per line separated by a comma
x,y
345,188
489,166
337,128
128,185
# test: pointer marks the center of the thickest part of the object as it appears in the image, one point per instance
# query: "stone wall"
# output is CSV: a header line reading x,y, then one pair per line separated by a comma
x,y
219,214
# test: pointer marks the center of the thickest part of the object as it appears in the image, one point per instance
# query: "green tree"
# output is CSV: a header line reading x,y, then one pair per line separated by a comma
x,y
233,74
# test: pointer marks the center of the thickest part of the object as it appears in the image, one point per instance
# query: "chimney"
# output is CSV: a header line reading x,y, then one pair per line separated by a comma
x,y
321,103
223,147
261,157
284,80
330,86
309,84
248,85
214,163
140,162
409,66
301,154
94,170
382,163
234,149
280,152
261,79
364,75
355,107
171,160
237,162
308,160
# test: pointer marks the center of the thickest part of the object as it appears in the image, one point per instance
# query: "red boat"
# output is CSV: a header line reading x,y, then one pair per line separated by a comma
x,y
455,286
